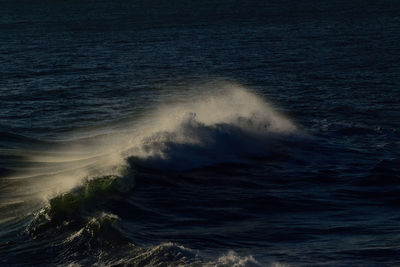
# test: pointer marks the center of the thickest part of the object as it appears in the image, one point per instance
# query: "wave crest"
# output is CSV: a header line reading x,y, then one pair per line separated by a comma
x,y
220,122
227,125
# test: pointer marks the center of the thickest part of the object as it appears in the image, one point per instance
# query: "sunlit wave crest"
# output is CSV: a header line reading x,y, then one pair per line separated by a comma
x,y
222,122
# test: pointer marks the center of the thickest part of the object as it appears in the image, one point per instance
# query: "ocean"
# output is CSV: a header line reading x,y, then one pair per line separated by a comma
x,y
199,133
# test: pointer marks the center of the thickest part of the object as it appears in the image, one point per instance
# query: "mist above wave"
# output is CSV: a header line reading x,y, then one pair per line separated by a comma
x,y
224,125
219,122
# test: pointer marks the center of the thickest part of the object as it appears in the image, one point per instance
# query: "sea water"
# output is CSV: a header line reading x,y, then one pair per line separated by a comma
x,y
199,133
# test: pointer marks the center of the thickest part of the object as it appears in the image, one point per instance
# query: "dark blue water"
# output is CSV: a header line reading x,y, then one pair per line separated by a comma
x,y
209,133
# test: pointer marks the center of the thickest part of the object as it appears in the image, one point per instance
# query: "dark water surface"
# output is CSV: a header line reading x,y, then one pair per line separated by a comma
x,y
200,133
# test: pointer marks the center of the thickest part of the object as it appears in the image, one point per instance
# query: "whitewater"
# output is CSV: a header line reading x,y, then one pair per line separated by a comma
x,y
60,183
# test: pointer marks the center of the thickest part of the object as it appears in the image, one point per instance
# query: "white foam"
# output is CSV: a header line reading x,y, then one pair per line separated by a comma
x,y
210,124
205,129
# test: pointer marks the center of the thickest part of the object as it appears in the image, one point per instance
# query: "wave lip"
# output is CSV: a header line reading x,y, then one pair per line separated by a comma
x,y
228,125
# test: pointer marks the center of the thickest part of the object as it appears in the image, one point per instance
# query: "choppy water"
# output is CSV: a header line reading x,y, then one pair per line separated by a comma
x,y
201,134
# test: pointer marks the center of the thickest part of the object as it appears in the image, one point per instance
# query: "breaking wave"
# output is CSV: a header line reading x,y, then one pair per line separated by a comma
x,y
225,123
65,184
